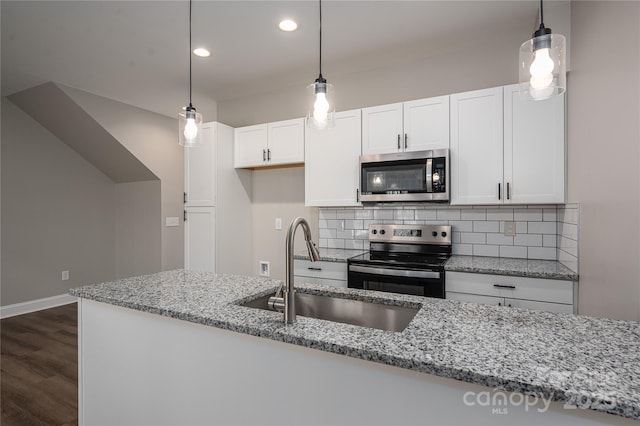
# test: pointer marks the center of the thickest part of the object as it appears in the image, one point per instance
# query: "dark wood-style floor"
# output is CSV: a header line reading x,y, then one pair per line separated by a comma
x,y
39,368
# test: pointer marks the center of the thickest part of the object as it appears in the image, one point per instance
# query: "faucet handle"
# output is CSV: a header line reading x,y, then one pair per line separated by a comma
x,y
314,255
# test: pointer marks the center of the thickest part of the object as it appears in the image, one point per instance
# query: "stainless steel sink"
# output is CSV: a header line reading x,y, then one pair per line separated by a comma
x,y
356,312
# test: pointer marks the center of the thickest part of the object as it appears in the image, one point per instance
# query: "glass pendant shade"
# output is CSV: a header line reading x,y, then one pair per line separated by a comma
x,y
543,72
321,113
190,127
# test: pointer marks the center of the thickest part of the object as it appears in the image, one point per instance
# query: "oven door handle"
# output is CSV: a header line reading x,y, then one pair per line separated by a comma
x,y
394,272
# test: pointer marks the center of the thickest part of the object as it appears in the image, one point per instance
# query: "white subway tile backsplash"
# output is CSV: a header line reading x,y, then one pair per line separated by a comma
x,y
513,251
473,214
498,214
527,215
486,226
541,227
484,250
426,214
382,214
542,232
547,253
364,214
527,240
448,214
499,240
461,225
473,238
404,215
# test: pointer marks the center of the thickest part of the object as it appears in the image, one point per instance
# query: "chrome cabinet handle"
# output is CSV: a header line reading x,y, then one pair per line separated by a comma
x,y
268,154
398,141
406,145
264,155
510,287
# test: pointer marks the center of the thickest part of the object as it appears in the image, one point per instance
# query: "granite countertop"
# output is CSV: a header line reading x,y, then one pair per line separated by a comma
x,y
507,266
580,360
330,255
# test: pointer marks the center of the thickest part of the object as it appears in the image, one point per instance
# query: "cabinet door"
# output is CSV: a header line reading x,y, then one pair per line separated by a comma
x,y
200,170
250,146
331,164
476,147
534,149
199,239
382,129
426,124
286,142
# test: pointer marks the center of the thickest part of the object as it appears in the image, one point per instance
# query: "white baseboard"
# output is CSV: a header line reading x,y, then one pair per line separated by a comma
x,y
36,305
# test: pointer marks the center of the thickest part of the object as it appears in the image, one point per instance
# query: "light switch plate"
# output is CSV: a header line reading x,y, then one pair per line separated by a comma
x,y
278,223
509,229
65,275
172,221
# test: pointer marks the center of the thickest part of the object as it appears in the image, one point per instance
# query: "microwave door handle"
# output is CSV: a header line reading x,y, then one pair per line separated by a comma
x,y
429,175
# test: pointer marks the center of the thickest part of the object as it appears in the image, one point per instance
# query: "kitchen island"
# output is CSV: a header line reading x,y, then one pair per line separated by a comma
x,y
176,348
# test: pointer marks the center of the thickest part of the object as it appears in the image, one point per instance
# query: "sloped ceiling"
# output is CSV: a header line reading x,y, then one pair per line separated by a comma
x,y
49,105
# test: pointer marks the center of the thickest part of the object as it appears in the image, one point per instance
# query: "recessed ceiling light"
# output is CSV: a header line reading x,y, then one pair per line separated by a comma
x,y
288,25
202,52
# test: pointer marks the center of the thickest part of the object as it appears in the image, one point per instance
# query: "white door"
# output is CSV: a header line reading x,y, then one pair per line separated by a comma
x,y
250,146
200,170
286,142
534,149
476,147
199,239
382,129
331,164
426,124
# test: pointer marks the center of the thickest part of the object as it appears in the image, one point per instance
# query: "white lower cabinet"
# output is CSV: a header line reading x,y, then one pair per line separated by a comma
x,y
200,239
321,272
517,292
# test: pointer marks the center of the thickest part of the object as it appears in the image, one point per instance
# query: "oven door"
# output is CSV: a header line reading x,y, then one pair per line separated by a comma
x,y
397,280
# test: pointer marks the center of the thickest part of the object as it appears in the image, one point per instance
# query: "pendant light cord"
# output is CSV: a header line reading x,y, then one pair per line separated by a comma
x,y
320,2
190,2
541,15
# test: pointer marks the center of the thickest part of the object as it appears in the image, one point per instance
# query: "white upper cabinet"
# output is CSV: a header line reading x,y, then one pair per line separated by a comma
x,y
505,150
331,164
410,126
534,149
476,147
200,175
270,144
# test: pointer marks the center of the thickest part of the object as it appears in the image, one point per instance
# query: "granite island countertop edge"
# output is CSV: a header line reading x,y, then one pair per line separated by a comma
x,y
396,349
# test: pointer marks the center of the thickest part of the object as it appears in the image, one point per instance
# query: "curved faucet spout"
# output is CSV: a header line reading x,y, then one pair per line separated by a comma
x,y
286,303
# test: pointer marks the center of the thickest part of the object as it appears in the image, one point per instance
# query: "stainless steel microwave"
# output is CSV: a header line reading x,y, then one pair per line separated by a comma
x,y
405,177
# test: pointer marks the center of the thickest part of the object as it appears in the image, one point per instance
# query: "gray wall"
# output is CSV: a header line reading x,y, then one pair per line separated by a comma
x,y
58,213
153,139
604,135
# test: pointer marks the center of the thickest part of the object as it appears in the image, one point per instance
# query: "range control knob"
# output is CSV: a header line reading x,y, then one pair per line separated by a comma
x,y
374,232
382,232
444,234
434,234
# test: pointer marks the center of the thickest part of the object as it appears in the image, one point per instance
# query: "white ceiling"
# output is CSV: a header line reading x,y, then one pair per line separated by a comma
x,y
136,51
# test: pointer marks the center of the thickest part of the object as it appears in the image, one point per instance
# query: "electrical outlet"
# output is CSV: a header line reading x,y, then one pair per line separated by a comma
x,y
278,223
172,221
65,275
264,268
509,229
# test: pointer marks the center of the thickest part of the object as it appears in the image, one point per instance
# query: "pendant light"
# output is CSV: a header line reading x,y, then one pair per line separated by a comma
x,y
321,104
543,71
190,121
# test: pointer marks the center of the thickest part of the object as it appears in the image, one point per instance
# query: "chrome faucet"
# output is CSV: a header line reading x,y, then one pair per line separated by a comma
x,y
285,300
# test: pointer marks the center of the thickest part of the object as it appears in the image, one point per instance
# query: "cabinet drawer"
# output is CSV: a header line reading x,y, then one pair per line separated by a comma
x,y
542,306
545,290
328,270
322,281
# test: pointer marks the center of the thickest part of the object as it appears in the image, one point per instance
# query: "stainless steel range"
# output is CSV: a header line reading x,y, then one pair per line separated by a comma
x,y
405,259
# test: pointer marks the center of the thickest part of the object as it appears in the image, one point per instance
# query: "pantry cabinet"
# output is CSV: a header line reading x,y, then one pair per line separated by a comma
x,y
407,126
270,144
331,164
516,292
217,205
505,150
